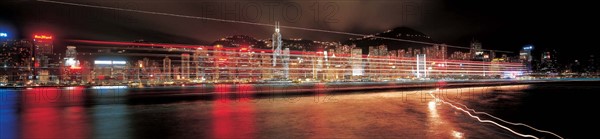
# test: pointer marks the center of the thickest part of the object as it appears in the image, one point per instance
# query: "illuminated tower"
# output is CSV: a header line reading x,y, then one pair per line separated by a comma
x,y
276,44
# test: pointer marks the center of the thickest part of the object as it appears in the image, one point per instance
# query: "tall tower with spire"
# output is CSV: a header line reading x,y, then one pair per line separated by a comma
x,y
276,45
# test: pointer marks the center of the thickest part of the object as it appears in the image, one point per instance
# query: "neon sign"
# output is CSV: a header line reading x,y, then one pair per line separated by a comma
x,y
43,37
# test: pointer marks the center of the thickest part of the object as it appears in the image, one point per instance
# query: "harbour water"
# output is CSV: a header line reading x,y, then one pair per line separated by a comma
x,y
234,111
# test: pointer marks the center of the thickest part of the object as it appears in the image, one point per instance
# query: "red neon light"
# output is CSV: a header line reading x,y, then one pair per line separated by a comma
x,y
43,37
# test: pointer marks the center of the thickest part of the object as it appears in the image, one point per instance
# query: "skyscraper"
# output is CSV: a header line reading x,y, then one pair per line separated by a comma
x,y
476,50
166,69
276,44
525,57
548,62
42,52
198,60
185,66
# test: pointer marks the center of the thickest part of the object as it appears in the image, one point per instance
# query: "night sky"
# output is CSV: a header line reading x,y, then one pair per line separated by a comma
x,y
498,24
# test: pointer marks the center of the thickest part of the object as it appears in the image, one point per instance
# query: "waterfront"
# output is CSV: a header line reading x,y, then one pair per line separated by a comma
x,y
235,111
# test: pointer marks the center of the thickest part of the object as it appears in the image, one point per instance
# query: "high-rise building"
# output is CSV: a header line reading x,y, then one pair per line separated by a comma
x,y
276,44
548,62
476,50
421,66
444,51
15,60
166,69
71,66
185,66
199,59
42,54
70,58
357,63
526,58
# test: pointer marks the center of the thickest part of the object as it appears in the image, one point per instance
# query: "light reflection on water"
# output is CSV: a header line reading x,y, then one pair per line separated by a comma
x,y
232,112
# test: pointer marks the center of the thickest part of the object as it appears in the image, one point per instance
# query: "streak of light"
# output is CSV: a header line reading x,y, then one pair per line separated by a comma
x,y
477,117
517,124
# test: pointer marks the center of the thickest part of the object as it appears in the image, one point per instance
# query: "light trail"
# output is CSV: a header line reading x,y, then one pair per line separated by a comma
x,y
479,119
516,124
489,121
251,23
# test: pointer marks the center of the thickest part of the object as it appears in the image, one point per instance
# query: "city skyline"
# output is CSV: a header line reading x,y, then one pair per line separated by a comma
x,y
297,69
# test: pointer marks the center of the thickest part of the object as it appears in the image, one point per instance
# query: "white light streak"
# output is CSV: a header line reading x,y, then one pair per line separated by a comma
x,y
478,118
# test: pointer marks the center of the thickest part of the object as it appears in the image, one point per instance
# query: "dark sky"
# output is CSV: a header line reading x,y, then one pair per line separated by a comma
x,y
499,24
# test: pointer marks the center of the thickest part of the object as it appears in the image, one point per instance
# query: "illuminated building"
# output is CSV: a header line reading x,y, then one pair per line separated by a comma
x,y
357,63
376,60
548,62
266,68
245,64
458,55
421,66
199,59
42,54
476,50
277,43
110,70
526,58
444,51
15,61
185,66
166,70
71,66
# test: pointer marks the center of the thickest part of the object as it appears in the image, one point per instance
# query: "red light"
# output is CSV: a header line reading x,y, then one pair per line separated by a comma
x,y
43,37
75,68
244,49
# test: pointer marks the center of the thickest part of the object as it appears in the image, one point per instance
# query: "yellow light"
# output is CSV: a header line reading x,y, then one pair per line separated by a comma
x,y
431,105
457,134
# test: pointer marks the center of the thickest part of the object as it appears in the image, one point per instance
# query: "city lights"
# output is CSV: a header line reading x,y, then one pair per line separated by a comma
x,y
297,69
109,62
42,37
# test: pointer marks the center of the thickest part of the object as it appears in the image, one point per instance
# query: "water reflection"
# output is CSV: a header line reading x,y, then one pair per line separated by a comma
x,y
8,113
44,116
233,118
110,115
232,111
438,126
